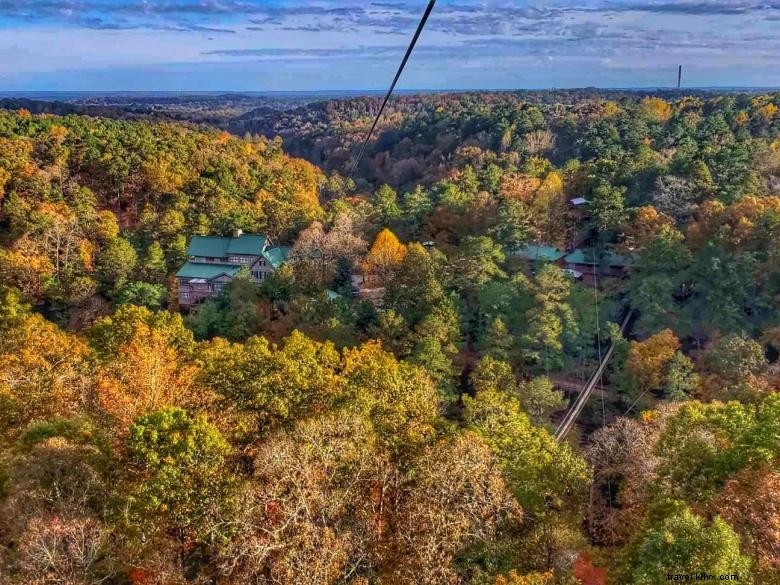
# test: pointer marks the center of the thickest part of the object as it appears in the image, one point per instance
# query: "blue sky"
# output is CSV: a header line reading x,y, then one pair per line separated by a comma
x,y
267,45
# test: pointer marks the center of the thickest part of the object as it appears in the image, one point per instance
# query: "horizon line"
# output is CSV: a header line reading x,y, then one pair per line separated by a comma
x,y
409,90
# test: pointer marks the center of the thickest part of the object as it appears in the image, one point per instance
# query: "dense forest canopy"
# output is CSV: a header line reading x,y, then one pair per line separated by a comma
x,y
381,409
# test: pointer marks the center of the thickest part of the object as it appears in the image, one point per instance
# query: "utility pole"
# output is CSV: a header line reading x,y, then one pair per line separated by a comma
x,y
679,77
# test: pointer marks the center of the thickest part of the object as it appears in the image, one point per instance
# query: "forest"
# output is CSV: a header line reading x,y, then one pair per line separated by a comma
x,y
382,409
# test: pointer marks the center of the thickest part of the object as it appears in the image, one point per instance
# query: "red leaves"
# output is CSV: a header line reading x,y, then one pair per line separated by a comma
x,y
586,573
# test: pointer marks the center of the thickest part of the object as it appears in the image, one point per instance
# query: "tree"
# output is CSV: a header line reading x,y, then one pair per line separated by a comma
x,y
675,197
457,496
734,365
682,540
153,263
550,318
147,372
386,254
539,399
540,472
313,510
386,201
649,359
656,109
275,384
151,296
607,205
179,481
750,502
680,378
497,342
115,263
236,314
416,205
644,225
513,223
491,374
716,441
477,262
43,370
399,398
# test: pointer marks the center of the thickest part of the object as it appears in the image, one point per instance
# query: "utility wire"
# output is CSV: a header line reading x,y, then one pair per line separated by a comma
x,y
420,27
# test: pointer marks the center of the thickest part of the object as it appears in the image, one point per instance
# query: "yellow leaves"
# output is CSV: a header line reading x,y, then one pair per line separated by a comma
x,y
552,185
648,416
24,113
610,109
87,254
656,109
513,578
163,175
768,112
107,226
742,118
647,359
58,133
400,398
386,254
41,371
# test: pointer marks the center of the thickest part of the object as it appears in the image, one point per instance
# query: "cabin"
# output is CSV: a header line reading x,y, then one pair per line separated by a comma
x,y
213,262
592,267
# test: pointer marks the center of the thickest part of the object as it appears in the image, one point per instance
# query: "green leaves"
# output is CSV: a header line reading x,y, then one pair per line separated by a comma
x,y
683,543
178,474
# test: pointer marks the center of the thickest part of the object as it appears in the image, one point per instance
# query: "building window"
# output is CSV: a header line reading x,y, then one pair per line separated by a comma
x,y
184,295
257,275
218,286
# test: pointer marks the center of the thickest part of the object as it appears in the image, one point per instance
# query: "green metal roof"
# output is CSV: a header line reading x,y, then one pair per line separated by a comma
x,y
206,271
277,255
219,247
247,244
541,253
580,256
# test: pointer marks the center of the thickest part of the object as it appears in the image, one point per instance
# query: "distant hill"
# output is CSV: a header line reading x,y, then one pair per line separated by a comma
x,y
60,108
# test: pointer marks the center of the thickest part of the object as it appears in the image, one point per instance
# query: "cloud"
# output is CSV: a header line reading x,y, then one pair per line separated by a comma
x,y
462,36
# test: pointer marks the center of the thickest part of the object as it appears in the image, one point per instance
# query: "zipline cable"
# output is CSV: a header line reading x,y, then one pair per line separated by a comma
x,y
420,27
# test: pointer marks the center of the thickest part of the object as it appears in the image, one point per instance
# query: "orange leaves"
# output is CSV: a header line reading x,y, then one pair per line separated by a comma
x,y
42,371
146,373
734,223
386,254
29,272
517,186
644,225
648,359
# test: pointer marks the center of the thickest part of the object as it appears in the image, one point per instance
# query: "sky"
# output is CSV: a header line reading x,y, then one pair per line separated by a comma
x,y
305,45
